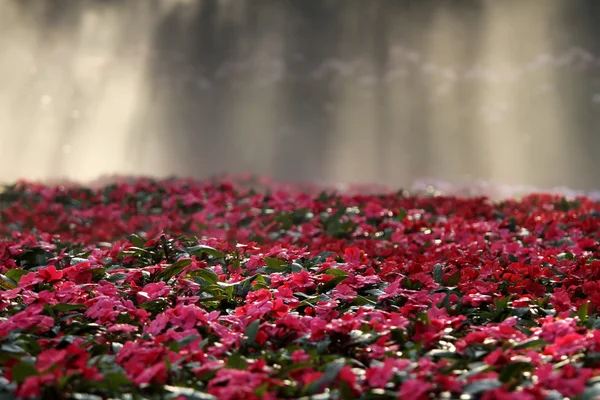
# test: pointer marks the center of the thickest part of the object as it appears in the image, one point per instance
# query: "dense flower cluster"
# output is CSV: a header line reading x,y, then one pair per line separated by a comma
x,y
209,290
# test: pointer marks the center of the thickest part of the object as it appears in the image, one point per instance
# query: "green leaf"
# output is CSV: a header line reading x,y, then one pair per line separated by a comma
x,y
78,396
7,394
116,277
155,306
481,386
375,292
514,370
16,274
261,390
189,393
207,275
187,340
212,298
296,268
236,361
362,300
401,214
97,272
591,393
7,283
173,270
453,280
137,241
63,307
582,313
12,348
201,249
22,371
475,369
323,345
329,285
260,279
321,258
174,347
501,304
423,318
275,264
346,392
329,376
528,344
438,273
591,358
444,354
336,272
116,380
251,332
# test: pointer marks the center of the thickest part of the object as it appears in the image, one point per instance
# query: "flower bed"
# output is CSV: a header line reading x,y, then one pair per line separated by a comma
x,y
208,290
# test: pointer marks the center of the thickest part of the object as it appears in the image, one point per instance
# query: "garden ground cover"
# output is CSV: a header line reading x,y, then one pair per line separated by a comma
x,y
179,289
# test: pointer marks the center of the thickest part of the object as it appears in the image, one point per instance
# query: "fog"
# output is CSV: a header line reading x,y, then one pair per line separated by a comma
x,y
382,91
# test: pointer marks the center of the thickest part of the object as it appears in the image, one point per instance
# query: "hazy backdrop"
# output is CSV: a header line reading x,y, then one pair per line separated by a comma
x,y
385,91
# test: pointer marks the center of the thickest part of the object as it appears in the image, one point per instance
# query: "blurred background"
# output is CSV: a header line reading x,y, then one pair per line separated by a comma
x,y
381,91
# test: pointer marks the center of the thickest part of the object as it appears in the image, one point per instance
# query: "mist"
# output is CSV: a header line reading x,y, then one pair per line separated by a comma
x,y
381,91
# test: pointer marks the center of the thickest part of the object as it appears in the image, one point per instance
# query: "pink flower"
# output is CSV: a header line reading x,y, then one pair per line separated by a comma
x,y
233,384
373,210
377,377
125,328
27,319
392,290
155,374
30,279
299,356
561,300
344,292
414,389
476,299
157,325
317,329
255,261
152,291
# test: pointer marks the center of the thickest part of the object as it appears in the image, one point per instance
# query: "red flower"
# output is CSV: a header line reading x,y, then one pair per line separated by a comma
x,y
353,256
279,308
50,274
566,345
301,281
378,377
